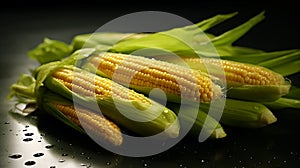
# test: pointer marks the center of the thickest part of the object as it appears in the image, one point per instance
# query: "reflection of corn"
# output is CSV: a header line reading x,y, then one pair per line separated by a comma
x,y
142,72
88,85
241,73
94,124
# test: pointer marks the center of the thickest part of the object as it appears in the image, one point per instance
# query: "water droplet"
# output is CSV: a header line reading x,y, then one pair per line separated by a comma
x,y
27,139
7,122
274,157
64,154
38,154
108,163
24,130
88,158
145,165
52,166
30,163
256,108
26,126
166,111
82,164
43,134
269,161
39,141
284,161
49,146
202,161
61,160
28,134
82,153
15,156
70,144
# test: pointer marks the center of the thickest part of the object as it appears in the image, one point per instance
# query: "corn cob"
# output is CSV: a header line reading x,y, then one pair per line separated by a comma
x,y
83,119
144,74
127,108
244,81
239,113
241,73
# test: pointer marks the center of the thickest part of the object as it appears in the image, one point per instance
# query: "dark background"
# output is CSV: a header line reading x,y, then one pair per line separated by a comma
x,y
24,24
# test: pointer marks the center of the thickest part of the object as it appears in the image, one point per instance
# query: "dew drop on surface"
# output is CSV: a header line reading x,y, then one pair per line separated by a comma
x,y
27,139
202,160
88,158
166,111
26,126
49,146
38,154
61,160
15,156
30,163
256,108
7,122
64,154
82,153
108,163
52,166
28,134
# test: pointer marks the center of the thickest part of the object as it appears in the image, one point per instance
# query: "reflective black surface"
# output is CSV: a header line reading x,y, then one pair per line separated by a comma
x,y
44,142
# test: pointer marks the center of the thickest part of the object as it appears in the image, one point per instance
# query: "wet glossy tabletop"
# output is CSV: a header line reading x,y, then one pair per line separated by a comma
x,y
46,143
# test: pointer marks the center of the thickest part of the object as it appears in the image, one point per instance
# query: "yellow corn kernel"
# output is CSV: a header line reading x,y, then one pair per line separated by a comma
x,y
242,73
87,84
151,73
95,124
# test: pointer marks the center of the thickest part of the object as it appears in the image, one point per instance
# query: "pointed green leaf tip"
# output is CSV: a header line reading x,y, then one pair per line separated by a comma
x,y
49,51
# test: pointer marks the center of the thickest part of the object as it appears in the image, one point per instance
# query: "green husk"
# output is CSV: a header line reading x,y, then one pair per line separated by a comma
x,y
201,122
246,114
283,103
50,50
258,93
102,41
294,93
